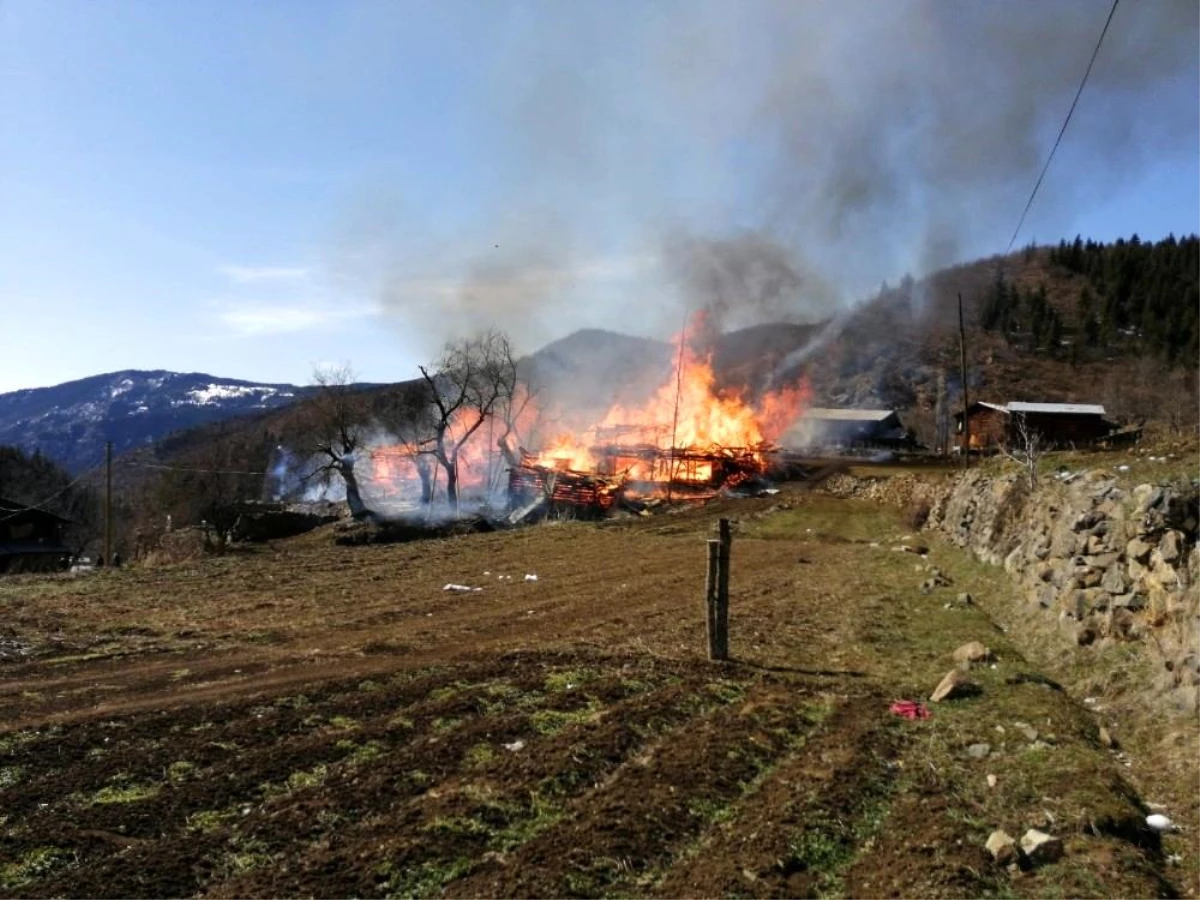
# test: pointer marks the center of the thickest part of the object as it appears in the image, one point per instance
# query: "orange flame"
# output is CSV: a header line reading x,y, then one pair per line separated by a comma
x,y
685,417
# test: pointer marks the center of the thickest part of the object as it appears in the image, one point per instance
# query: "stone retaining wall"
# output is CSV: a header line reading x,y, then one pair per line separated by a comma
x,y
1100,562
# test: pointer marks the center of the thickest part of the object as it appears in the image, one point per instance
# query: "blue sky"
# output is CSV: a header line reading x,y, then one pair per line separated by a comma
x,y
251,189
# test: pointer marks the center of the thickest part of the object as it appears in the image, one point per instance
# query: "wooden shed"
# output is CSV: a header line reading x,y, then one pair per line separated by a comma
x,y
821,427
30,539
989,425
1057,424
1065,424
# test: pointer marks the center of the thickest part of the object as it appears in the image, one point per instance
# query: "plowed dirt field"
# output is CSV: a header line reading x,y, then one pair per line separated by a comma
x,y
313,720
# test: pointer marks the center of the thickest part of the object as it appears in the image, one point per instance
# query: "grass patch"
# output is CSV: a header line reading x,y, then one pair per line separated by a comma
x,y
248,856
542,815
14,739
209,820
569,679
10,776
824,518
425,880
453,689
549,722
35,864
480,755
125,792
361,754
181,770
456,826
309,778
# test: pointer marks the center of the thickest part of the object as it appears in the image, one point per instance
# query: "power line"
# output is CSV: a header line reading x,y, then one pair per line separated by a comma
x,y
54,496
188,469
1062,130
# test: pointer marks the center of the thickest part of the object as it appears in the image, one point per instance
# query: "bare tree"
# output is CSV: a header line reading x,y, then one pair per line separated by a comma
x,y
337,414
1024,446
474,378
514,414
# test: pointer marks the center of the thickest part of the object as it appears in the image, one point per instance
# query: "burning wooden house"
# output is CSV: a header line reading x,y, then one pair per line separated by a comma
x,y
690,439
623,470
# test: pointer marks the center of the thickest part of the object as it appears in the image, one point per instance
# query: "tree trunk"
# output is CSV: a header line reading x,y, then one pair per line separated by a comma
x,y
426,468
452,484
358,509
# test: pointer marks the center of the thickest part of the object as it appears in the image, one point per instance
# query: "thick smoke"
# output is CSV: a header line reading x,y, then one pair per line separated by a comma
x,y
743,281
772,160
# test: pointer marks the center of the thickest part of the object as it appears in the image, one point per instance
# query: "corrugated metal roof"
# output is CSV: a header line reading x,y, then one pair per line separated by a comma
x,y
1081,409
848,415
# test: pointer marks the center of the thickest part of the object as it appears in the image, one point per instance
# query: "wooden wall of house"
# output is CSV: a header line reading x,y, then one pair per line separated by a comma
x,y
989,427
1061,429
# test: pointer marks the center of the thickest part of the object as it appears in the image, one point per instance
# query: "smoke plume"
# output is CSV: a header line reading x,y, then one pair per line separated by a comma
x,y
774,160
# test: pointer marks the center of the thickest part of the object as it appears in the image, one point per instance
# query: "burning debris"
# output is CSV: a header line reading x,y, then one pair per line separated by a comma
x,y
689,440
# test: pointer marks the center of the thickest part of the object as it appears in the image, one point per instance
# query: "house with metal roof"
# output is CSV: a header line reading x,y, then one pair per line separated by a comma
x,y
1056,424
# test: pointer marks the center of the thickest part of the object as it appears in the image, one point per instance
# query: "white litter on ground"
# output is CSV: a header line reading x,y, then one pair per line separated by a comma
x,y
461,588
1159,822
531,578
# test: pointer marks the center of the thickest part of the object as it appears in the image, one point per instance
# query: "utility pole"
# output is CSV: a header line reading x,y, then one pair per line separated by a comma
x,y
962,359
108,509
678,393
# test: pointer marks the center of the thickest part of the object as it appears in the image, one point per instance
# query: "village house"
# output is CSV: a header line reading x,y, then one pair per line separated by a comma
x,y
30,539
826,428
1055,424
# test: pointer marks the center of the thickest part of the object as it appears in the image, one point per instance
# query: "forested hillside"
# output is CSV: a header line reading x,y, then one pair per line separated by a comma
x,y
1137,297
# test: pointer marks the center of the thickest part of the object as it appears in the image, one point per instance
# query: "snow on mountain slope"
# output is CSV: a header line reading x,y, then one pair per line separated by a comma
x,y
70,422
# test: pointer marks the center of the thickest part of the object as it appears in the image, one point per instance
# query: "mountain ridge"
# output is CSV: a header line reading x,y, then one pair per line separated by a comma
x,y
72,421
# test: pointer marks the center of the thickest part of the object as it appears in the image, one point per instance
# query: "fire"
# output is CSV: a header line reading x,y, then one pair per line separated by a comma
x,y
688,432
683,432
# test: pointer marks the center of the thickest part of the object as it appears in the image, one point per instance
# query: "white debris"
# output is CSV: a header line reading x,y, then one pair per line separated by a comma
x,y
487,573
515,746
530,577
461,588
1159,822
1122,468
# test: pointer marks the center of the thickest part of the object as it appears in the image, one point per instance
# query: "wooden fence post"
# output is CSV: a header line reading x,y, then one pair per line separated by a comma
x,y
716,594
710,596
